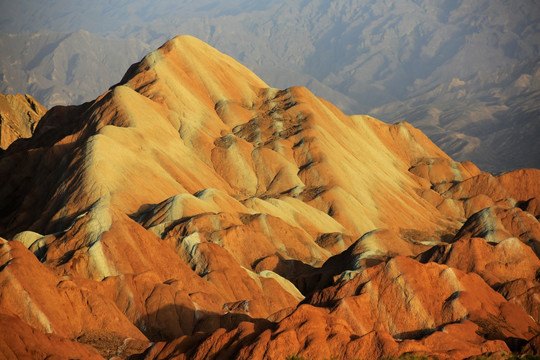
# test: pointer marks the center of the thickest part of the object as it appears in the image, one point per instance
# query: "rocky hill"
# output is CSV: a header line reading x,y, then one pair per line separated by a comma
x,y
192,211
360,55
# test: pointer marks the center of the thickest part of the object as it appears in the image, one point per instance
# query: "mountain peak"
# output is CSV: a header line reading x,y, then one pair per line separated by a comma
x,y
189,63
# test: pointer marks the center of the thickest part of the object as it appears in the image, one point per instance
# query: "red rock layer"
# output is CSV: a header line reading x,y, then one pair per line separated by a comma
x,y
20,341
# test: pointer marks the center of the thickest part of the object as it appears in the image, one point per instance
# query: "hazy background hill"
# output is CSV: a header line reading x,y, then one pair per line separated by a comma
x,y
64,68
491,117
465,72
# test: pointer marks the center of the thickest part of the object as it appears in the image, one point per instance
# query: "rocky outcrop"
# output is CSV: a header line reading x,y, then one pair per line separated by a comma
x,y
18,117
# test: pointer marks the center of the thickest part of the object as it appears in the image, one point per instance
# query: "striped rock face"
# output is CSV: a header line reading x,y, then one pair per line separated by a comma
x,y
216,217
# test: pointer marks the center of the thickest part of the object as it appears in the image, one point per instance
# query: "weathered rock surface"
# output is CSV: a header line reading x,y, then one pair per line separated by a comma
x,y
20,341
195,207
18,117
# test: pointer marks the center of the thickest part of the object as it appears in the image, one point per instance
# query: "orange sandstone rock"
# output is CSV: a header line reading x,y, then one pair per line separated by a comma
x,y
18,117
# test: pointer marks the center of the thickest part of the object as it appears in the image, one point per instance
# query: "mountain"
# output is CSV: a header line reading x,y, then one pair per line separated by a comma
x,y
192,211
490,118
360,55
372,52
64,68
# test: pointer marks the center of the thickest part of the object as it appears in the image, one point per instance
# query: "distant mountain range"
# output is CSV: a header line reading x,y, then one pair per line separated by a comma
x,y
64,69
378,57
491,118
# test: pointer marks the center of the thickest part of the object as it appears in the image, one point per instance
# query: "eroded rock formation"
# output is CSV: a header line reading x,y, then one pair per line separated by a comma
x,y
195,207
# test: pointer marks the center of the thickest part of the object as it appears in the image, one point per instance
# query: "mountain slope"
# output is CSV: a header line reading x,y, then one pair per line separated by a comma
x,y
213,215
